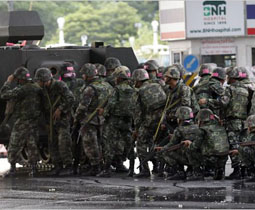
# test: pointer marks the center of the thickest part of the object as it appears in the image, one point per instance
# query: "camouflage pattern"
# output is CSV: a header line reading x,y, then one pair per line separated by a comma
x,y
27,111
101,70
89,70
151,65
111,63
140,75
206,69
146,121
184,113
22,74
219,73
95,93
182,93
172,72
122,72
187,130
180,68
117,133
43,74
60,146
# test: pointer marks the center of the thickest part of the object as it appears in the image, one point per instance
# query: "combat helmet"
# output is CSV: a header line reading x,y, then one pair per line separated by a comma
x,y
184,113
251,121
67,70
122,72
89,70
161,71
235,73
111,63
219,73
101,70
43,74
244,71
180,68
151,65
206,69
22,73
205,115
140,75
172,72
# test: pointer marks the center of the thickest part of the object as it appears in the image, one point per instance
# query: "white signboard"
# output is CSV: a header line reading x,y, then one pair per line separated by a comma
x,y
224,46
214,18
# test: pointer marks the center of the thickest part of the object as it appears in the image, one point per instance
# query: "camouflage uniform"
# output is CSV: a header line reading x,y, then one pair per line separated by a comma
x,y
214,146
27,110
110,64
94,95
235,102
213,91
117,135
186,130
151,100
57,96
180,95
151,66
247,153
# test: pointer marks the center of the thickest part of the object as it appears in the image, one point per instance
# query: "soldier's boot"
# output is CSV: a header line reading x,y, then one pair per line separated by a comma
x,y
179,175
13,171
144,172
55,171
236,174
106,172
189,171
93,171
197,175
219,174
131,168
120,168
155,164
161,169
67,171
34,171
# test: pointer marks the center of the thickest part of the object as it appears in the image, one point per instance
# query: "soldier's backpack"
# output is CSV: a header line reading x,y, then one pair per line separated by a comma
x,y
152,96
126,101
215,140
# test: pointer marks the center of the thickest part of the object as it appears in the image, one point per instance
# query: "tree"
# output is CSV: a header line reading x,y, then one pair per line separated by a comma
x,y
112,23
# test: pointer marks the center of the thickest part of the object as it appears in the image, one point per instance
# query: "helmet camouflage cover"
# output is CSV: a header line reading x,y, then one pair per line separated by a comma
x,y
140,75
122,72
89,70
43,74
206,69
101,70
172,72
184,113
205,115
22,73
111,63
219,73
151,65
180,68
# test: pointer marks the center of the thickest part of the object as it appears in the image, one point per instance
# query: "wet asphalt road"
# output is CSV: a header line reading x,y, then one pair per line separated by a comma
x,y
123,192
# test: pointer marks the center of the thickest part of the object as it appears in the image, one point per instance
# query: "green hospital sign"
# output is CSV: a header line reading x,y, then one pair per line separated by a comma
x,y
214,8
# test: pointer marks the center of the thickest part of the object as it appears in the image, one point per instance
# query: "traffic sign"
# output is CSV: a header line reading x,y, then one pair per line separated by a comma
x,y
190,63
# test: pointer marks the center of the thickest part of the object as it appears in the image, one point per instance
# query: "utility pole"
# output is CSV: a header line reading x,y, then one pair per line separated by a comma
x,y
10,5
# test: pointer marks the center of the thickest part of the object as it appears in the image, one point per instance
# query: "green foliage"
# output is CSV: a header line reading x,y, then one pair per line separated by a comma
x,y
113,23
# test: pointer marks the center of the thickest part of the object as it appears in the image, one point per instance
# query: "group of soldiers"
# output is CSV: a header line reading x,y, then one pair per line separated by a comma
x,y
96,123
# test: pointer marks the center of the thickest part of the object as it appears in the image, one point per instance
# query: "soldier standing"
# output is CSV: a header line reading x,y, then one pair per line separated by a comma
x,y
152,66
235,102
27,110
58,100
94,95
119,117
111,64
179,95
151,101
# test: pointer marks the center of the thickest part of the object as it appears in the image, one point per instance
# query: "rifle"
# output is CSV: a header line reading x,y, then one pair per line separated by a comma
x,y
243,144
155,150
92,115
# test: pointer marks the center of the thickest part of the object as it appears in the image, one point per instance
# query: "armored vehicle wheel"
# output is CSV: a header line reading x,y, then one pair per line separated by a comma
x,y
45,155
24,156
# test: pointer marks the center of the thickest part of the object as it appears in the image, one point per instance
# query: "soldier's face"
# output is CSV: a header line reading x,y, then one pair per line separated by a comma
x,y
84,77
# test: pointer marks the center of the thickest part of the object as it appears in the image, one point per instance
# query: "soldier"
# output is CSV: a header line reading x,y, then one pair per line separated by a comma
x,y
119,114
111,64
58,100
27,110
152,66
247,153
89,115
179,95
101,71
151,101
214,146
201,89
235,102
186,133
214,91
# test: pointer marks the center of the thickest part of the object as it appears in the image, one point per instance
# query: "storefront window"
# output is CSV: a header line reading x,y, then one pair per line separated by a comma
x,y
220,60
177,58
